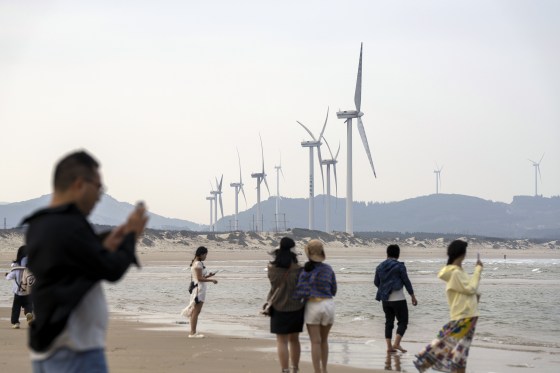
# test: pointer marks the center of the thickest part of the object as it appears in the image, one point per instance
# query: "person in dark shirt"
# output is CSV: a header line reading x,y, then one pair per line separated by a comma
x,y
69,261
390,278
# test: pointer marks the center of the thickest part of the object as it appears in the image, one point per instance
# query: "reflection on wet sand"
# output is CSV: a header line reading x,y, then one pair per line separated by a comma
x,y
393,362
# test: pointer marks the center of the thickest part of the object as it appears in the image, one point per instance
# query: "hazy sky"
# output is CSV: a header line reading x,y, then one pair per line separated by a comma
x,y
163,92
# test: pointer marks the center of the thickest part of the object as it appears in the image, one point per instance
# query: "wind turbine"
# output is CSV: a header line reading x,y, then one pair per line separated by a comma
x,y
211,198
349,115
260,176
437,171
238,187
316,143
278,172
218,198
537,166
328,163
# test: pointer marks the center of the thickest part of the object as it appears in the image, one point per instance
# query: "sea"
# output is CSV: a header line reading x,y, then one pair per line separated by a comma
x,y
518,328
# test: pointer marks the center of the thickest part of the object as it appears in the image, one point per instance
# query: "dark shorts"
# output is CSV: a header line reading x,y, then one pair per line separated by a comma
x,y
286,322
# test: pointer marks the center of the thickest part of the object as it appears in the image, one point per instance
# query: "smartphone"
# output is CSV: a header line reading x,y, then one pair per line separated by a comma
x,y
140,205
478,257
216,271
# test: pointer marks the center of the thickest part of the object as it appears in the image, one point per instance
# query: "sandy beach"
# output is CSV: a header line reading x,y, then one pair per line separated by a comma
x,y
137,344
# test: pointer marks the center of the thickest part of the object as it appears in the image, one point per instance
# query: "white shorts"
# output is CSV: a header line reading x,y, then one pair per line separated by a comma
x,y
319,313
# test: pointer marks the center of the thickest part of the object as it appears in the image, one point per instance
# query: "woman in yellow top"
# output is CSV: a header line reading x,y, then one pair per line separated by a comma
x,y
449,351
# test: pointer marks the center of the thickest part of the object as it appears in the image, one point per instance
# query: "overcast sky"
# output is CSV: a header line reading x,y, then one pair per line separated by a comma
x,y
163,92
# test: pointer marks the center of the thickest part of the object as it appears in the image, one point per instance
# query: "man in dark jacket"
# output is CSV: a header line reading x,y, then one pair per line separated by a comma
x,y
390,278
69,261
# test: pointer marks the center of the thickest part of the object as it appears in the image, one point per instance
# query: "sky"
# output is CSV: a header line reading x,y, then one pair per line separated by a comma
x,y
164,94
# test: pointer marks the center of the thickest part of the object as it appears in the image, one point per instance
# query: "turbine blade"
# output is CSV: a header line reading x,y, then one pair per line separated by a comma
x,y
282,173
539,169
358,93
530,160
220,187
541,158
336,156
244,197
365,142
265,183
328,147
324,125
321,167
308,131
239,161
335,180
221,206
262,153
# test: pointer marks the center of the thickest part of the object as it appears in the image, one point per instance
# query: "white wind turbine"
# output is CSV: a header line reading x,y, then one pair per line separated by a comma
x,y
328,163
316,143
278,172
349,115
211,198
238,187
218,198
260,176
437,171
537,166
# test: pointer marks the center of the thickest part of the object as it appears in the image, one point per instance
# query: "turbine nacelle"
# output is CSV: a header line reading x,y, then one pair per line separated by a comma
x,y
349,114
311,144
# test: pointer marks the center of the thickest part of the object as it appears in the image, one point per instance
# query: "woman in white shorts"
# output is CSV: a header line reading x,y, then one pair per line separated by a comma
x,y
317,287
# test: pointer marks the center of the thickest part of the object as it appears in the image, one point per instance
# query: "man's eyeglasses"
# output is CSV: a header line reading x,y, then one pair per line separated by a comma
x,y
100,187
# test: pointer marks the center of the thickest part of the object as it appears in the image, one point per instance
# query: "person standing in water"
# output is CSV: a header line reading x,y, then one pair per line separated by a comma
x,y
450,350
390,279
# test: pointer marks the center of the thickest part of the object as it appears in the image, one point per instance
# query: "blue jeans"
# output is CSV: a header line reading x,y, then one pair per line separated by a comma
x,y
68,361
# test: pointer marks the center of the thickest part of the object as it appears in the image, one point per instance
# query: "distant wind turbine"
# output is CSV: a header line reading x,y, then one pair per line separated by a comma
x,y
349,115
437,171
211,199
316,143
278,172
328,163
238,187
260,176
218,198
537,166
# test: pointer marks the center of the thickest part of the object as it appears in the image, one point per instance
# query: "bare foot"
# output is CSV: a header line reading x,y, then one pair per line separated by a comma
x,y
399,348
392,351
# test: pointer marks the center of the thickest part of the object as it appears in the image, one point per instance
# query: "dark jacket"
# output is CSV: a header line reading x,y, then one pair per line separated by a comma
x,y
67,259
391,275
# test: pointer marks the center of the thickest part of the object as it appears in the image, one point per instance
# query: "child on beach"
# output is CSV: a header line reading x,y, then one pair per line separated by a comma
x,y
317,286
21,296
450,350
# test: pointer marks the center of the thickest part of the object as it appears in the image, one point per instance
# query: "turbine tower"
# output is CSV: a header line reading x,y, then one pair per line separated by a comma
x,y
537,166
260,176
218,198
316,143
328,163
278,172
437,171
238,187
348,115
211,198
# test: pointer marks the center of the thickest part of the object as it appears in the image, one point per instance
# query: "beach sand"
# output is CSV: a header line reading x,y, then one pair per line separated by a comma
x,y
134,345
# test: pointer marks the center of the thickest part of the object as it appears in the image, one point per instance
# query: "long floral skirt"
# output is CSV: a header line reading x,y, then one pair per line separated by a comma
x,y
449,351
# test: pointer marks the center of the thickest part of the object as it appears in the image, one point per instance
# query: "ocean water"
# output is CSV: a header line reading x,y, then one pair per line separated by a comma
x,y
520,308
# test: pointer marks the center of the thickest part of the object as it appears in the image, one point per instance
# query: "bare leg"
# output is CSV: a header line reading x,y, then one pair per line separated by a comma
x,y
461,370
397,345
282,348
315,338
325,329
295,349
390,348
194,316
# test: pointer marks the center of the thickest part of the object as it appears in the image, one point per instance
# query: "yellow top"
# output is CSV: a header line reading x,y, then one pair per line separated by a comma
x,y
461,290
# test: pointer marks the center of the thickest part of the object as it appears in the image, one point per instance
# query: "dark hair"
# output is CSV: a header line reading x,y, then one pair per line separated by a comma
x,y
200,251
21,253
71,167
455,250
284,256
393,251
310,265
